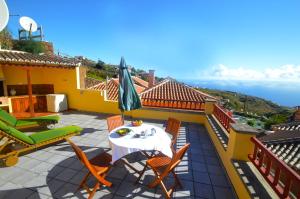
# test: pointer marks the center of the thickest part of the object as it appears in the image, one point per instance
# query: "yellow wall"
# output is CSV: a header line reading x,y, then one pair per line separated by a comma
x,y
1,73
64,80
163,114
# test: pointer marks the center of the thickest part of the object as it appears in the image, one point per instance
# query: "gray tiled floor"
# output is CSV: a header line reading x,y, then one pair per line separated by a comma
x,y
54,172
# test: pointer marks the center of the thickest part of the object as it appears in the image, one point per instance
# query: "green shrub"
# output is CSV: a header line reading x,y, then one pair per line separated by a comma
x,y
29,46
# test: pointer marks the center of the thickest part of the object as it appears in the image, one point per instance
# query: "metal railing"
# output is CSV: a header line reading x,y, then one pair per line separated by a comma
x,y
223,117
284,180
176,104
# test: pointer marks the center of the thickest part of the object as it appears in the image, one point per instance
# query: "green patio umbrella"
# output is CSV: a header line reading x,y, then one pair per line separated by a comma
x,y
128,97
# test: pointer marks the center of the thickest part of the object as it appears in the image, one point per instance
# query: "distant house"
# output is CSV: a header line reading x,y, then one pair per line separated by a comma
x,y
112,85
166,94
173,94
296,116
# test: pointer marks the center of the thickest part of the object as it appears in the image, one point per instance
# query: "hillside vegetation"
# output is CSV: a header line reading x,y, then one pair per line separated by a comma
x,y
252,107
100,70
245,103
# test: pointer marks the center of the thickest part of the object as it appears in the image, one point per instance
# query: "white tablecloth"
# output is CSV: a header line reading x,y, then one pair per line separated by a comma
x,y
123,145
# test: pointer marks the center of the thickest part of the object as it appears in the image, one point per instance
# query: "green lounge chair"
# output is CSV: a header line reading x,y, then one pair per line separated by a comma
x,y
30,122
14,142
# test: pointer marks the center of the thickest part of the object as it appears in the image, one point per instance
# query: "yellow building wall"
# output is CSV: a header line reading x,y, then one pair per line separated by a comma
x,y
1,73
163,114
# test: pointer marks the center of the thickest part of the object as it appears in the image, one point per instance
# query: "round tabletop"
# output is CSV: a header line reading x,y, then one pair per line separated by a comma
x,y
140,138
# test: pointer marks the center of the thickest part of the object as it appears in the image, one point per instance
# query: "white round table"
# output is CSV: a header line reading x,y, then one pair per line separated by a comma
x,y
123,145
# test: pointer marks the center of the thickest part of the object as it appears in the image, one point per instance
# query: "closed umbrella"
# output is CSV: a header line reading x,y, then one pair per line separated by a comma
x,y
128,97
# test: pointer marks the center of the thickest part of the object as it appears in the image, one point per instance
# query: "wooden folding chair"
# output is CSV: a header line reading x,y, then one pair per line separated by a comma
x,y
97,166
114,122
173,127
162,166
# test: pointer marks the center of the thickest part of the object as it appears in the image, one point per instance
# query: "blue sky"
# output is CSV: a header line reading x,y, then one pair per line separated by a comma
x,y
189,39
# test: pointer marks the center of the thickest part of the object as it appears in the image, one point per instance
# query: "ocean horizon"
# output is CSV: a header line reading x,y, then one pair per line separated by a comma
x,y
282,93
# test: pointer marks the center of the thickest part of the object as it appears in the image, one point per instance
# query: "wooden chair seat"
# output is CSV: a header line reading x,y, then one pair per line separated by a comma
x,y
159,162
101,163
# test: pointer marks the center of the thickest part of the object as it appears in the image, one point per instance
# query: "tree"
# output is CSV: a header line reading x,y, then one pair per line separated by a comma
x,y
30,46
275,119
251,122
100,64
6,39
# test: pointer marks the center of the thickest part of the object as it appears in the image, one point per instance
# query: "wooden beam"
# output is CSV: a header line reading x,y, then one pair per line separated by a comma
x,y
31,108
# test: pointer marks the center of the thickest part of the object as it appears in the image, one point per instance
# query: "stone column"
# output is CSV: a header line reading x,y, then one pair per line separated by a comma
x,y
239,144
209,106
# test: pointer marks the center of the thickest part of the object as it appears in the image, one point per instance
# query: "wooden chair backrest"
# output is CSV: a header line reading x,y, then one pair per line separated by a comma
x,y
114,122
80,154
82,157
176,159
173,127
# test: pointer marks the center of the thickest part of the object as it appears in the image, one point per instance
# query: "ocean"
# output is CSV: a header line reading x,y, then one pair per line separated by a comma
x,y
282,93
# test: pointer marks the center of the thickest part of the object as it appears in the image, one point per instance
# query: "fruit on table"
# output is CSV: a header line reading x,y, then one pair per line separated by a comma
x,y
137,123
123,131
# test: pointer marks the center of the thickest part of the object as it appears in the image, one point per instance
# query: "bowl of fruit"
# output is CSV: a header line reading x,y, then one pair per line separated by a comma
x,y
137,123
123,131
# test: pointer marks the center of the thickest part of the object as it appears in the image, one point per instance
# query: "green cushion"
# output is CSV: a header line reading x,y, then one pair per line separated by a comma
x,y
50,118
37,120
3,126
54,133
21,123
15,133
8,118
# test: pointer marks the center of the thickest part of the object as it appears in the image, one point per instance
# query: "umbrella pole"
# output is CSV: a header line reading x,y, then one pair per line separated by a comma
x,y
123,116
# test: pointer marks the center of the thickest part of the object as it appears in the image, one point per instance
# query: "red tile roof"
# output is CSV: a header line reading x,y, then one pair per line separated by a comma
x,y
28,59
140,82
112,88
172,94
166,94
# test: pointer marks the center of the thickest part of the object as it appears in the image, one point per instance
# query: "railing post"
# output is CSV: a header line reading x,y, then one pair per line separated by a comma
x,y
209,106
239,144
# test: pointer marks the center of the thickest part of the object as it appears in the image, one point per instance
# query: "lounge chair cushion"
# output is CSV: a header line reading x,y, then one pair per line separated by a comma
x,y
21,123
15,133
37,120
49,118
12,121
8,118
54,133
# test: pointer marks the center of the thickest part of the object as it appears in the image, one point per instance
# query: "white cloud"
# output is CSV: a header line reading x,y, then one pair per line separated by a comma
x,y
284,73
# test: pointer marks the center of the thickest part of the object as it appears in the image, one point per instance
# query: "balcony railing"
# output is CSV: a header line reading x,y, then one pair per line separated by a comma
x,y
284,181
190,105
223,117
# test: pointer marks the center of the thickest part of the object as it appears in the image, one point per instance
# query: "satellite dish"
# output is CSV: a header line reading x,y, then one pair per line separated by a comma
x,y
4,15
28,24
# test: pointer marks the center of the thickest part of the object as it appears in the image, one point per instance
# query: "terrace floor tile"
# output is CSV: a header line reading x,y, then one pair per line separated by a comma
x,y
55,171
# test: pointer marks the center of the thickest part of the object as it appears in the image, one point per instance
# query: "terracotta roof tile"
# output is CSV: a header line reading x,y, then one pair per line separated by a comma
x,y
112,88
140,82
23,58
172,94
287,126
